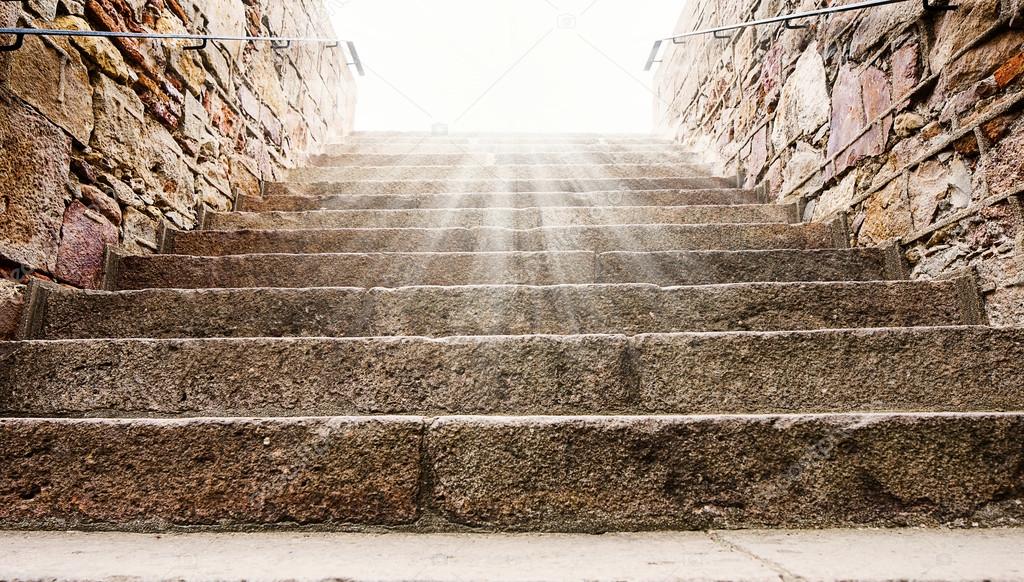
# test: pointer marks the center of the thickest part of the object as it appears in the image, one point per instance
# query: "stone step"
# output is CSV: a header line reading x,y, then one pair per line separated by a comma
x,y
500,310
633,237
386,187
476,149
527,172
967,555
499,200
560,474
500,159
521,218
508,139
518,268
890,369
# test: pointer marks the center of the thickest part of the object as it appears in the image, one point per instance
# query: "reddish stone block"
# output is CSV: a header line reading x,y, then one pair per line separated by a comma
x,y
1010,70
86,235
905,70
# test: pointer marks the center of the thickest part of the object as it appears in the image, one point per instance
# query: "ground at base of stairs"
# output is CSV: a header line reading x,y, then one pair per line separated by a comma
x,y
918,554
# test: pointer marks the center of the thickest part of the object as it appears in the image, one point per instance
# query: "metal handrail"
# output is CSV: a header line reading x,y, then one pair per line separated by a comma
x,y
276,42
785,19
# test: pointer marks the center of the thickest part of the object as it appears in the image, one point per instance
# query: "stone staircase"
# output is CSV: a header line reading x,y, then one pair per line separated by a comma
x,y
569,334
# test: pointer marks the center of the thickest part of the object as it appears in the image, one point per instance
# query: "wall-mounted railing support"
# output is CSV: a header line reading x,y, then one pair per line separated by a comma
x,y
201,40
19,41
786,21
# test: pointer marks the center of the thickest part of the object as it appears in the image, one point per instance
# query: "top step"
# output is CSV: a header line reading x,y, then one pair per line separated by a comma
x,y
449,148
497,139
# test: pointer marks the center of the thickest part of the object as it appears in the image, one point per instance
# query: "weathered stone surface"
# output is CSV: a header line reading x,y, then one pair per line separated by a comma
x,y
85,235
804,104
12,300
34,163
608,155
125,134
689,373
1002,165
522,218
888,214
398,270
155,474
355,270
459,186
100,202
640,237
50,76
595,474
836,199
404,171
500,310
500,200
100,50
139,231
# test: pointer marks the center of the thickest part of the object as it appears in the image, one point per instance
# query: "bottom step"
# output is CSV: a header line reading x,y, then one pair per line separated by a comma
x,y
750,555
558,474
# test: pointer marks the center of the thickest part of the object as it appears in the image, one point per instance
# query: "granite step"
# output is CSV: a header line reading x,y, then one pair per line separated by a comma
x,y
876,369
499,200
519,172
390,187
430,148
507,139
517,268
633,237
629,309
502,159
517,218
559,474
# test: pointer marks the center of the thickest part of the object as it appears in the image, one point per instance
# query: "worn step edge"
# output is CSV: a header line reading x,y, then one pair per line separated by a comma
x,y
559,474
518,186
628,237
878,369
498,310
713,197
497,172
518,218
509,159
667,268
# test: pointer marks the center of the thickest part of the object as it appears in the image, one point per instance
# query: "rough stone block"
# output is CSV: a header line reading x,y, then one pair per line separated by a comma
x,y
155,474
85,236
48,73
35,157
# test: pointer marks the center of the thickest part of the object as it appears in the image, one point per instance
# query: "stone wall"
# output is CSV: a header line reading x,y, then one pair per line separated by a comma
x,y
908,121
101,140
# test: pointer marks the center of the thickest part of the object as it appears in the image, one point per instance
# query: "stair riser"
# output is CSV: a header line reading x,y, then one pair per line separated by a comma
x,y
548,172
499,140
427,148
387,187
551,474
462,159
691,374
151,475
499,200
597,238
502,217
473,311
400,270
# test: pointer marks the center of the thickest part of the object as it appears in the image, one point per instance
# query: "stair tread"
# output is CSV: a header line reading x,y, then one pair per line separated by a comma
x,y
498,310
873,369
517,218
624,237
516,474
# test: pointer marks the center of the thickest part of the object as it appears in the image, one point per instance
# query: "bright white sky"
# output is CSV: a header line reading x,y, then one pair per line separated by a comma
x,y
505,65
